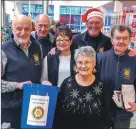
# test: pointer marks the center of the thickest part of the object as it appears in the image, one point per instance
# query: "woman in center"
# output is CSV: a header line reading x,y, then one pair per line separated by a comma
x,y
83,99
59,66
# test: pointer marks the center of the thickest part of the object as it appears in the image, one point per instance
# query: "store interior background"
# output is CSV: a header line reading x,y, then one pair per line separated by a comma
x,y
70,12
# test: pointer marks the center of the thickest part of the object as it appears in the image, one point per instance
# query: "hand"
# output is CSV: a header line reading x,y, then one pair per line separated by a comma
x,y
20,85
133,105
47,83
132,53
52,51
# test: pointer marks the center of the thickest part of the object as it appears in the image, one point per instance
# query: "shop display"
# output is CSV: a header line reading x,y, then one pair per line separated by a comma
x,y
36,9
71,16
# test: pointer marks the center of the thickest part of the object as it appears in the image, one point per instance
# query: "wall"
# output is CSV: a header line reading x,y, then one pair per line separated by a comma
x,y
80,3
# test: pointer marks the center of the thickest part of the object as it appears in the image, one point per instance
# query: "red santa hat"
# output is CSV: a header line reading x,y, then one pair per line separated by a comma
x,y
91,13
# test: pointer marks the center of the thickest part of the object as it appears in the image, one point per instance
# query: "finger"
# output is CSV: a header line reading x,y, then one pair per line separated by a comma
x,y
30,82
131,53
131,110
27,82
47,83
130,103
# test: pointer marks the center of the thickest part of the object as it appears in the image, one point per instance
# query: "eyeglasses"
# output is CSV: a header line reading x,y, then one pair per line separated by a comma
x,y
123,38
80,63
93,22
62,41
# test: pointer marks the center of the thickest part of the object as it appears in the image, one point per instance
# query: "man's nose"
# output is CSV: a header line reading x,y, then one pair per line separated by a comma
x,y
121,40
23,31
93,24
83,65
43,28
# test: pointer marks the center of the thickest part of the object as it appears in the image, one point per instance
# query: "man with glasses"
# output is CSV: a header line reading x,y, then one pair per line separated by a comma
x,y
116,67
93,36
42,35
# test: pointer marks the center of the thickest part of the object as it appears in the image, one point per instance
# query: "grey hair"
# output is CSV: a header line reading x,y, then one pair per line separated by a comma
x,y
42,15
121,28
85,51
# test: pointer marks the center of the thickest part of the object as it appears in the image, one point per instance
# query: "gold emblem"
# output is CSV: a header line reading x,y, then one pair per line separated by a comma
x,y
36,58
127,73
75,68
101,49
38,112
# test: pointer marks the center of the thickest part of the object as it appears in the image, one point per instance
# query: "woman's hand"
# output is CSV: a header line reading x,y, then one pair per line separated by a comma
x,y
47,83
52,51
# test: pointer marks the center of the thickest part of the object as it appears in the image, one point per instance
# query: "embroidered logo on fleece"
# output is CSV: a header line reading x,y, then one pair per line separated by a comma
x,y
127,73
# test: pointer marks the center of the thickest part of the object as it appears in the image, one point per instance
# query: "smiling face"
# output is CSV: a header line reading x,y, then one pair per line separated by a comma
x,y
85,65
22,29
94,26
121,41
63,43
42,26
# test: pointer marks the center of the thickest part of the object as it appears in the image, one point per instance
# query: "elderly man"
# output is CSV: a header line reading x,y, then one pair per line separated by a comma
x,y
21,64
116,67
94,19
42,35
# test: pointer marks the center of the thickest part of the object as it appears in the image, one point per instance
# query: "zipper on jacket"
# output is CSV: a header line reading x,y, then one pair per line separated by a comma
x,y
117,72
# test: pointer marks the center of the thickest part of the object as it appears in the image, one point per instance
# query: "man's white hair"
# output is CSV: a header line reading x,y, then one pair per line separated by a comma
x,y
42,15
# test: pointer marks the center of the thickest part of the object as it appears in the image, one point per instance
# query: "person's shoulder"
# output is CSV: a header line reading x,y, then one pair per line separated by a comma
x,y
33,41
134,58
104,54
106,37
56,55
51,57
98,84
51,37
6,44
69,79
107,40
33,34
101,84
79,35
76,36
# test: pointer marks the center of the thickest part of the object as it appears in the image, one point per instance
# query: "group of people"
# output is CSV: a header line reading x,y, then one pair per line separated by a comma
x,y
87,67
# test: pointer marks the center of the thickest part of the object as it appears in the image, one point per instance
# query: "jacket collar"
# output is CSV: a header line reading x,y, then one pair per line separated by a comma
x,y
38,38
124,54
85,35
16,43
100,44
50,37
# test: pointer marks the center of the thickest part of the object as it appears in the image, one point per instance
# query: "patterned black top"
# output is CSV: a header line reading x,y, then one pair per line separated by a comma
x,y
81,107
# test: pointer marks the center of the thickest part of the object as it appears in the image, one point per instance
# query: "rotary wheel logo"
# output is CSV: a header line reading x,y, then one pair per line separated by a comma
x,y
38,112
127,73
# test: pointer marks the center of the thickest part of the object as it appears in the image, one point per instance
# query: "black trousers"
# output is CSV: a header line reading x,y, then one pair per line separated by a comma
x,y
13,116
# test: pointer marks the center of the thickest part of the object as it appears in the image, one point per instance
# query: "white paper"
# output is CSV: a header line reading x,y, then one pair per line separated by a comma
x,y
38,110
128,93
117,97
